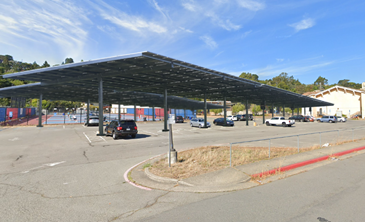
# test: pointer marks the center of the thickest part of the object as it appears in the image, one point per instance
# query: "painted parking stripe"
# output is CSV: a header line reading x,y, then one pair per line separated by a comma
x,y
86,137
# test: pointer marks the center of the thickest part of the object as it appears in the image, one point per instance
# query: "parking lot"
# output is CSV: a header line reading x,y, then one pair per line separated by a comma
x,y
45,172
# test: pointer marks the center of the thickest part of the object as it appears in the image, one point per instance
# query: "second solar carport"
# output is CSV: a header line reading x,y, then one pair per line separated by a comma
x,y
152,73
64,92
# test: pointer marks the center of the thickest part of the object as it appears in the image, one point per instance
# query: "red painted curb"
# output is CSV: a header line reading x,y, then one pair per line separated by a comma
x,y
304,163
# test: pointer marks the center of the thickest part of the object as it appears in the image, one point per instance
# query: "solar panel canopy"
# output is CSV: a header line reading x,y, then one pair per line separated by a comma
x,y
143,78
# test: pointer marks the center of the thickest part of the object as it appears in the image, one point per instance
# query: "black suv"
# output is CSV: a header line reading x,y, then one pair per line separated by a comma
x,y
121,128
300,118
179,119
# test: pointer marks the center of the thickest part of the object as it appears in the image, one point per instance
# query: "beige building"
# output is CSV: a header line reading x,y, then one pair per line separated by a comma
x,y
347,101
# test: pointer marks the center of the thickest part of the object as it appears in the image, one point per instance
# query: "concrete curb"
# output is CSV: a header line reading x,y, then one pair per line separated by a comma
x,y
304,163
164,179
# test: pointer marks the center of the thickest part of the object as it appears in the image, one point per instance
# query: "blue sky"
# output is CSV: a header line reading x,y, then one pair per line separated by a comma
x,y
306,39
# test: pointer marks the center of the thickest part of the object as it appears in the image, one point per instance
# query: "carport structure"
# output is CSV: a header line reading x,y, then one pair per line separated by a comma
x,y
152,74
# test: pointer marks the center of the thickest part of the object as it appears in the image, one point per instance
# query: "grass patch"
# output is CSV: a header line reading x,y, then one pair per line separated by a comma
x,y
212,158
146,165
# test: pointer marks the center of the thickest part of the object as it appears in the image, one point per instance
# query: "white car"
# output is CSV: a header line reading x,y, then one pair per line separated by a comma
x,y
199,122
233,118
280,121
341,119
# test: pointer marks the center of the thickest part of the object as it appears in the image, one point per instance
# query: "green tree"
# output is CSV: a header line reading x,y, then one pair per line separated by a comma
x,y
216,111
238,107
321,81
45,64
69,60
249,76
255,109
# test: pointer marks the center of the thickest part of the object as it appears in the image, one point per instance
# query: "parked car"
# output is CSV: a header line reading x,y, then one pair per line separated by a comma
x,y
341,119
121,128
239,117
93,121
300,118
199,122
329,119
179,119
233,118
279,121
250,117
309,118
220,121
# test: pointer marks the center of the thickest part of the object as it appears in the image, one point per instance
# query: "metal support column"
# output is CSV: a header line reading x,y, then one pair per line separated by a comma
x,y
298,111
101,105
135,113
184,113
153,113
118,112
205,110
40,111
272,111
246,112
87,112
165,113
225,111
263,113
292,111
283,110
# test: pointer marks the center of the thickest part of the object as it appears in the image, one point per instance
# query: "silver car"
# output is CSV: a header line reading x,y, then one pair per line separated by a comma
x,y
199,122
93,121
341,119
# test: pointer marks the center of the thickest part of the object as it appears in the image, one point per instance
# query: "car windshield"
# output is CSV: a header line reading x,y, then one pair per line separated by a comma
x,y
94,118
201,120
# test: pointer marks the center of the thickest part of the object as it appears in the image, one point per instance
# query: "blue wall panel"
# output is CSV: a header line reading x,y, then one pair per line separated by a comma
x,y
2,114
130,110
22,112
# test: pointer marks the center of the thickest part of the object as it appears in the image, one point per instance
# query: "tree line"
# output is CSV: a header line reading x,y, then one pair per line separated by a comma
x,y
9,65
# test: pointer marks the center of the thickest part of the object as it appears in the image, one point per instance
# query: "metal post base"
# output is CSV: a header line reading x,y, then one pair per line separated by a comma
x,y
100,134
39,125
165,130
173,157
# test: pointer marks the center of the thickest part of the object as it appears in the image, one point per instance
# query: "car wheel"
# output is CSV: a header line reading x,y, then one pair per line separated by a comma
x,y
267,124
200,126
289,125
134,135
330,121
115,135
191,124
284,124
319,121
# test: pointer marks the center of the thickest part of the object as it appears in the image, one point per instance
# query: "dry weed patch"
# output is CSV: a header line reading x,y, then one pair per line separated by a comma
x,y
212,158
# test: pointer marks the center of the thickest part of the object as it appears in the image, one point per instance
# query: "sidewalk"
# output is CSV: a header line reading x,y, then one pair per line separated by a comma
x,y
239,177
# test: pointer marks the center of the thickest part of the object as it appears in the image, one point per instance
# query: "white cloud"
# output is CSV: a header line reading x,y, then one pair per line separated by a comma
x,y
209,41
226,24
304,24
244,35
127,21
159,9
56,23
292,70
280,60
251,5
190,5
